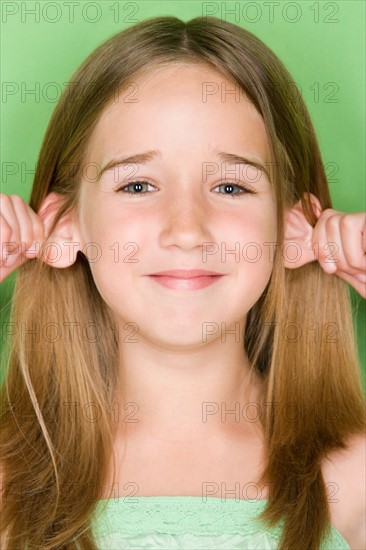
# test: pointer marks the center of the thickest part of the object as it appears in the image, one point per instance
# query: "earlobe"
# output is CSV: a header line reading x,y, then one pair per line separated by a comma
x,y
297,249
61,247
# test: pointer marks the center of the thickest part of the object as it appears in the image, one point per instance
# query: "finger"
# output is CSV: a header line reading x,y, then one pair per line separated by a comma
x,y
5,270
22,227
22,210
326,241
335,259
31,229
10,228
38,234
359,286
352,229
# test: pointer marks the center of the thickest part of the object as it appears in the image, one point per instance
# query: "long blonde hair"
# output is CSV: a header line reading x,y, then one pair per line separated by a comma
x,y
55,469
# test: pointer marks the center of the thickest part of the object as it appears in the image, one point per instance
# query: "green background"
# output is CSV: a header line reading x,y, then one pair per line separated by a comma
x,y
321,44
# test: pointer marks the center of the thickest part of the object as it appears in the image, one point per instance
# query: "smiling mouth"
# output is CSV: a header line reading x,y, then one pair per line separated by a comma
x,y
185,283
186,273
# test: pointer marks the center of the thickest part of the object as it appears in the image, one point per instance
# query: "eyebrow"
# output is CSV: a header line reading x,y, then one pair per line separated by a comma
x,y
143,158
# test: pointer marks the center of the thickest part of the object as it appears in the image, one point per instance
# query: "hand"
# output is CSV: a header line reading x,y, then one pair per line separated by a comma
x,y
339,244
20,226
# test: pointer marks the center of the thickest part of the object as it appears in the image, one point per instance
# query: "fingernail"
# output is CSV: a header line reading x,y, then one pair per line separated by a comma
x,y
329,267
33,249
10,259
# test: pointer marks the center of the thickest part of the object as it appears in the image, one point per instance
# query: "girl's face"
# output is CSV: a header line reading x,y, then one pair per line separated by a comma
x,y
185,216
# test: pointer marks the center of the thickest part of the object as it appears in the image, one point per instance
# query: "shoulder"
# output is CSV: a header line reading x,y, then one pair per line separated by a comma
x,y
344,473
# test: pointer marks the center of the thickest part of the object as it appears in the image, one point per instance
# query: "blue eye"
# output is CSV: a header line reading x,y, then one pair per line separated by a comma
x,y
137,185
243,190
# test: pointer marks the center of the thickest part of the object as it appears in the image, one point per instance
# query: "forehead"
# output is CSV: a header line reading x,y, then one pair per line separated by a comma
x,y
187,102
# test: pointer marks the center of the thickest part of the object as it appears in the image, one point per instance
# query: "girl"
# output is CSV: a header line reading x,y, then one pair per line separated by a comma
x,y
182,353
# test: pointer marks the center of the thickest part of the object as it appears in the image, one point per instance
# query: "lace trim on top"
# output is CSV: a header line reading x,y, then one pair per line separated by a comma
x,y
179,515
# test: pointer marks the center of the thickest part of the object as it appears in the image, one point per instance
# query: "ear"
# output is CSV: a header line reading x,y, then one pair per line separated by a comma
x,y
298,233
61,247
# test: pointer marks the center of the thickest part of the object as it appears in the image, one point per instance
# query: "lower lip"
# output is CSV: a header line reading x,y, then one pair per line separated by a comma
x,y
194,283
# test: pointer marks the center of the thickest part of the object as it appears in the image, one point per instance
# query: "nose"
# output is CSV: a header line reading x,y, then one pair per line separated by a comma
x,y
186,222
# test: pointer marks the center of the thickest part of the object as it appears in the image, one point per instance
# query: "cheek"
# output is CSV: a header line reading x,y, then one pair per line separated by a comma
x,y
115,233
114,240
253,236
253,232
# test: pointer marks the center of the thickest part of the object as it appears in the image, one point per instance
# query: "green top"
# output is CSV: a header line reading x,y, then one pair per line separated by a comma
x,y
187,522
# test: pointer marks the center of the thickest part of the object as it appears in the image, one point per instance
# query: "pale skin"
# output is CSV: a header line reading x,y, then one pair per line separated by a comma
x,y
171,370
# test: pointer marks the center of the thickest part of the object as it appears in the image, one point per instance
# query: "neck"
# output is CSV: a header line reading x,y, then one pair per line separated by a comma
x,y
185,394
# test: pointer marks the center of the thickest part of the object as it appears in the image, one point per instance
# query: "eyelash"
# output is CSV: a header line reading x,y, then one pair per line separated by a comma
x,y
245,190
